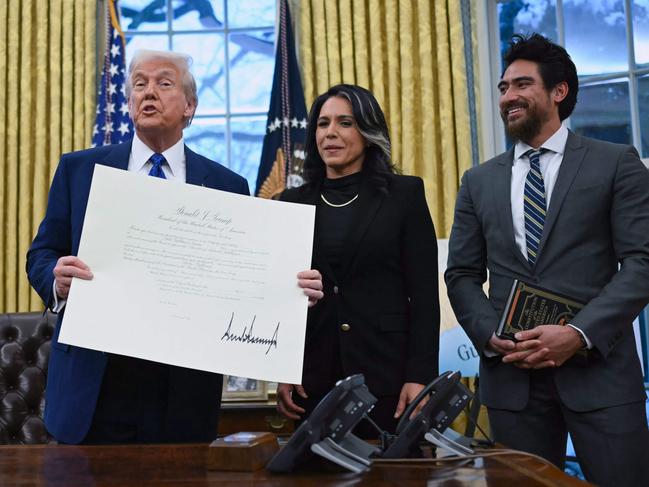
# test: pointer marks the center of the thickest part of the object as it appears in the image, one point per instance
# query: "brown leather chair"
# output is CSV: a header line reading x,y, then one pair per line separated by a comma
x,y
24,354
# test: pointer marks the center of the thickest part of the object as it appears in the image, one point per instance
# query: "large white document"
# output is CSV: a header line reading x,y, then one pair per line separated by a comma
x,y
191,276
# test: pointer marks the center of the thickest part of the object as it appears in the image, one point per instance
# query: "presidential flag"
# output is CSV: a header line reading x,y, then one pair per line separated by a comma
x,y
113,124
282,156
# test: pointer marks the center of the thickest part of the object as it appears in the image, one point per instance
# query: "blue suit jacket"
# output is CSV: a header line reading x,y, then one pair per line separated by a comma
x,y
75,374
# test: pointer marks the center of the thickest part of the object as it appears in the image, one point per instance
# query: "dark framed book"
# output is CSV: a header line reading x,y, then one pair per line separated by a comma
x,y
529,306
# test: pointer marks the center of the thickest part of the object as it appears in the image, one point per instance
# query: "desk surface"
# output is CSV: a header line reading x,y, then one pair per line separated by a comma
x,y
184,465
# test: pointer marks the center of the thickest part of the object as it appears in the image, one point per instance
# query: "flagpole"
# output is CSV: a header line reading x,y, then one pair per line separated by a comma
x,y
282,154
112,124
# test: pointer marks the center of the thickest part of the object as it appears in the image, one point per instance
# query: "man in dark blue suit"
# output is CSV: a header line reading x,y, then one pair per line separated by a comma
x,y
96,397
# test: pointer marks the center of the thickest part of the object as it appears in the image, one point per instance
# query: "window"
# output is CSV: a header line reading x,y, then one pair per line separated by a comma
x,y
609,42
232,46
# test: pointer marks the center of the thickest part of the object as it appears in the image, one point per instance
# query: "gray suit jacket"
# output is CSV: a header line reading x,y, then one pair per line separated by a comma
x,y
598,217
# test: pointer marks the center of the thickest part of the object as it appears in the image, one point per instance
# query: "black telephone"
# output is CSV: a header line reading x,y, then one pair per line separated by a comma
x,y
327,431
447,398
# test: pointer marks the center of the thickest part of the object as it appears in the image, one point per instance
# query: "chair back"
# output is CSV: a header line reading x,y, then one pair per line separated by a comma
x,y
24,355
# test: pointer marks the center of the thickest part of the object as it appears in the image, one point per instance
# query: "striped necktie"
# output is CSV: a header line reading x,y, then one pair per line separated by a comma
x,y
534,206
157,160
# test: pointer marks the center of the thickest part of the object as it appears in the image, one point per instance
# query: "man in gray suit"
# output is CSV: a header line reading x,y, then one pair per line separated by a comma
x,y
571,215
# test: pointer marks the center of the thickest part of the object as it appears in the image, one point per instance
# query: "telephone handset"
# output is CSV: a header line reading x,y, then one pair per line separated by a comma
x,y
439,385
447,398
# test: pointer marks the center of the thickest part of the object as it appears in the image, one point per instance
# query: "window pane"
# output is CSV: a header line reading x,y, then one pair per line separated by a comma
x,y
523,17
234,142
596,35
603,112
208,53
143,15
641,31
252,61
251,13
643,90
133,43
247,139
193,15
206,136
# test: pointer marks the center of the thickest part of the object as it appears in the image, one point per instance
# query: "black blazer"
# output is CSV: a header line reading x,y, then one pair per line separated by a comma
x,y
387,293
598,217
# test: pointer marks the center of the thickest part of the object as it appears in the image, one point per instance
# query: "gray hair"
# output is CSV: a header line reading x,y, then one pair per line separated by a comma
x,y
370,122
181,61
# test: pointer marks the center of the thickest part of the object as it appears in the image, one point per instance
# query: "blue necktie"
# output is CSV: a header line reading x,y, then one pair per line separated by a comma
x,y
534,206
157,160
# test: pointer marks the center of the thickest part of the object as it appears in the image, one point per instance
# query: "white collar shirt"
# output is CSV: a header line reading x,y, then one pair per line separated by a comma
x,y
550,163
174,170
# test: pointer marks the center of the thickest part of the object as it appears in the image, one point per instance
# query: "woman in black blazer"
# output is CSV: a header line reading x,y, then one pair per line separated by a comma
x,y
375,246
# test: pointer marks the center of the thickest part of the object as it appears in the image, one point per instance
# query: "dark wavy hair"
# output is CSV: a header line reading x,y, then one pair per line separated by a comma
x,y
370,122
554,63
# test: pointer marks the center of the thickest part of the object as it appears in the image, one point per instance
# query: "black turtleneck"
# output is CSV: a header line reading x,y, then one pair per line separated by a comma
x,y
334,223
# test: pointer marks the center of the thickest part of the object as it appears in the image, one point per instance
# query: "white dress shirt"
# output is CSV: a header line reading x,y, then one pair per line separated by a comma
x,y
550,164
138,162
174,170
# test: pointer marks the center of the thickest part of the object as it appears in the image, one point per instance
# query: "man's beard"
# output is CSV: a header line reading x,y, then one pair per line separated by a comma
x,y
525,129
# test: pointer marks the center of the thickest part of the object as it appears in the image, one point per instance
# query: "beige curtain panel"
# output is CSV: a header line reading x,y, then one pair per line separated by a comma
x,y
410,54
47,93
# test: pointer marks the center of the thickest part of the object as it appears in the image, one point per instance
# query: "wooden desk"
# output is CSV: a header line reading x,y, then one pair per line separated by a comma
x,y
184,465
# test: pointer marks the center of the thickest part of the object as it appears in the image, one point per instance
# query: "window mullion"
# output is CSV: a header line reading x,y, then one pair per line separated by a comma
x,y
561,37
170,14
561,30
497,130
598,78
633,79
228,129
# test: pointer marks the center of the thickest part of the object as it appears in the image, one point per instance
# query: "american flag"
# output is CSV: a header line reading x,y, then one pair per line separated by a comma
x,y
113,124
282,156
